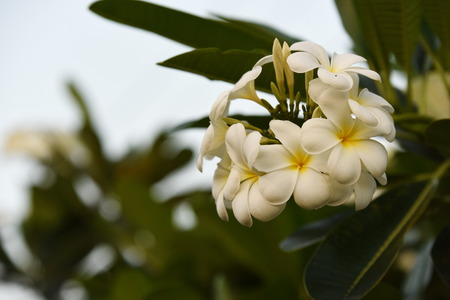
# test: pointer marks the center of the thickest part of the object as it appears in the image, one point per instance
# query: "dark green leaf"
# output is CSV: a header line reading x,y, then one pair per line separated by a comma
x,y
262,30
440,254
216,64
312,233
360,250
379,27
437,14
227,66
438,136
184,28
258,121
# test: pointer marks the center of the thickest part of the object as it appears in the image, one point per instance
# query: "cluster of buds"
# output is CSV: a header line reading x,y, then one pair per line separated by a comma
x,y
318,149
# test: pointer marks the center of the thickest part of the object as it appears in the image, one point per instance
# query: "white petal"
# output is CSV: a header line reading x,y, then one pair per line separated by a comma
x,y
319,162
251,148
313,48
341,193
341,81
220,106
363,113
277,186
312,190
245,87
316,88
288,133
301,62
382,179
339,62
386,123
273,157
363,71
221,208
220,177
364,190
260,208
234,142
368,98
344,164
265,60
319,135
334,105
240,205
232,185
205,146
373,155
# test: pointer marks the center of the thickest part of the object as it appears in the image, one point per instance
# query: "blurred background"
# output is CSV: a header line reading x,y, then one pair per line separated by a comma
x,y
95,197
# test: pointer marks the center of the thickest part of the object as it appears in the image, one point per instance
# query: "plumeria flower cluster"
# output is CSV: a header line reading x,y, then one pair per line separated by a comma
x,y
318,149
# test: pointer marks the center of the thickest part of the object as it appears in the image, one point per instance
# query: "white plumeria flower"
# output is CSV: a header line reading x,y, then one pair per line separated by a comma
x,y
371,109
351,148
292,171
213,143
245,87
220,179
335,72
242,186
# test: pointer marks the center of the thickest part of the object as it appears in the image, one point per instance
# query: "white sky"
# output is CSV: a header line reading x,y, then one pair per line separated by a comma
x,y
45,43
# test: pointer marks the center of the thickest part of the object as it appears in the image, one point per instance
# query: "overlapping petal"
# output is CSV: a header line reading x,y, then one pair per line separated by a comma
x,y
277,186
341,62
319,135
245,87
373,155
364,189
301,62
260,208
240,206
312,190
338,80
344,164
288,134
314,49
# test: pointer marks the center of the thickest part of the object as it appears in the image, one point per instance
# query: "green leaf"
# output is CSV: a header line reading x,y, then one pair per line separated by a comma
x,y
385,26
228,66
311,233
184,28
437,14
438,136
216,64
262,30
439,253
359,251
258,121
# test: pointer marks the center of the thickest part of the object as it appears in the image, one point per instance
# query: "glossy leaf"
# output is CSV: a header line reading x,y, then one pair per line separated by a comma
x,y
216,64
227,66
184,28
259,121
356,255
437,15
438,136
311,233
379,27
440,254
262,30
